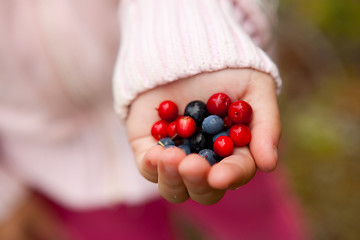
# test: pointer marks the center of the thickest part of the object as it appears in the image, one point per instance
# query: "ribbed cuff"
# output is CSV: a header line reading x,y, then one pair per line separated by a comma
x,y
166,40
11,194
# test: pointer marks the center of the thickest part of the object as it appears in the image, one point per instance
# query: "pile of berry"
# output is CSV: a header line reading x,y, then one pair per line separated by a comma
x,y
212,130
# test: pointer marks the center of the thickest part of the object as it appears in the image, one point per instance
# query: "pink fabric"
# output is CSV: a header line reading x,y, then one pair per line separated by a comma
x,y
259,210
258,19
58,130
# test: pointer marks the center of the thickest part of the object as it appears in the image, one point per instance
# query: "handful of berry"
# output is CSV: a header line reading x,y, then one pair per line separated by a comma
x,y
212,130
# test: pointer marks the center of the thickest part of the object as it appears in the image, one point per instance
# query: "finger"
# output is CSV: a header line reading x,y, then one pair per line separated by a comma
x,y
233,171
194,170
265,125
170,183
148,164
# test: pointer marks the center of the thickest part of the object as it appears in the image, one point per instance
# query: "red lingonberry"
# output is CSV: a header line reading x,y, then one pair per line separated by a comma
x,y
240,112
158,130
168,111
240,134
227,121
218,104
223,146
185,126
171,129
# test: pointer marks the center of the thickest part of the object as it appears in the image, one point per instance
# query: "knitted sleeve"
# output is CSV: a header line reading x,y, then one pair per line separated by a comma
x,y
166,40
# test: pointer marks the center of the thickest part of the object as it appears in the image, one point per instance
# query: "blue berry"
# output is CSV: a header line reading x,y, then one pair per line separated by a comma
x,y
212,124
187,141
209,155
200,141
169,146
197,111
222,133
166,142
185,148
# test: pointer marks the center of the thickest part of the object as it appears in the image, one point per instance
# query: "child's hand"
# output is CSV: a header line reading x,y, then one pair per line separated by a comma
x,y
181,176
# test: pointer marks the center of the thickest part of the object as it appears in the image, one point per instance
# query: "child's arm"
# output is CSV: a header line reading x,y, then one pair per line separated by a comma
x,y
12,193
31,219
198,42
24,214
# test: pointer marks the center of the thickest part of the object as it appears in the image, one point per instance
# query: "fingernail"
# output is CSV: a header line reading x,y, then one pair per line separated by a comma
x,y
153,163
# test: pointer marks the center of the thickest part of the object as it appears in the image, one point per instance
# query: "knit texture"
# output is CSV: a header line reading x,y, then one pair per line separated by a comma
x,y
166,40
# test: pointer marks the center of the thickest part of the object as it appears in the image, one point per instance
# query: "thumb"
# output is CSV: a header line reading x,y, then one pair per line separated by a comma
x,y
265,125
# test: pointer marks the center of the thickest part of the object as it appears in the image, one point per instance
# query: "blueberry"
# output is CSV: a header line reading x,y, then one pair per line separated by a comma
x,y
197,111
209,155
187,141
166,142
169,146
200,141
185,148
222,133
212,124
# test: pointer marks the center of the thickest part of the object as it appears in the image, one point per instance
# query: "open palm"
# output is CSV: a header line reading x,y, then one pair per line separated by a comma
x,y
180,176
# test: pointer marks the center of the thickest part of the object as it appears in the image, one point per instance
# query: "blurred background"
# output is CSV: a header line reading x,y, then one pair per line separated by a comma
x,y
319,59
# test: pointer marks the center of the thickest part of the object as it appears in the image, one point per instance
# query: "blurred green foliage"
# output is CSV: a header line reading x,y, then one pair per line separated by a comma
x,y
336,18
339,20
319,58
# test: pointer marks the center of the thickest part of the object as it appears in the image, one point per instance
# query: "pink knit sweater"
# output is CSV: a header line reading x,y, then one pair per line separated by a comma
x,y
59,133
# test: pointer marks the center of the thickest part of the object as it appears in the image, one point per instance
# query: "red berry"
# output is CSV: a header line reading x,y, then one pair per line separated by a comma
x,y
227,121
240,134
158,130
168,111
223,146
171,129
185,126
240,112
218,104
